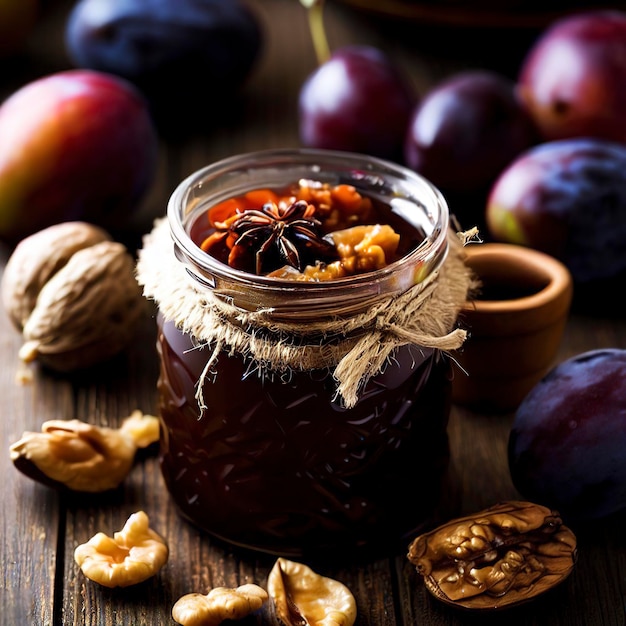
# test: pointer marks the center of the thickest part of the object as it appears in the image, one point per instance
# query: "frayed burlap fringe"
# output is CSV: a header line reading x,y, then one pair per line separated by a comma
x,y
358,347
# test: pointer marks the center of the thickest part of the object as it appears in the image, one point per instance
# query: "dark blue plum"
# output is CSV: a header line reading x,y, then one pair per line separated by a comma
x,y
567,446
184,54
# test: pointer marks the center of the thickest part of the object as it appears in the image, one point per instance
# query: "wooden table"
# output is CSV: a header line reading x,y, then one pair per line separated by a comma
x,y
40,527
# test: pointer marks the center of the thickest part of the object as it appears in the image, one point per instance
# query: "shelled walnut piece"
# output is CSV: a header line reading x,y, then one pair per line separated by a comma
x,y
221,603
302,596
496,558
82,457
363,248
133,555
72,293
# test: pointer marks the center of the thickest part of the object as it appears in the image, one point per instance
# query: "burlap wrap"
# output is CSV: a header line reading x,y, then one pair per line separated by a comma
x,y
355,348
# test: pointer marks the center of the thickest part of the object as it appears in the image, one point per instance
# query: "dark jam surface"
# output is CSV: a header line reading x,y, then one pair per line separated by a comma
x,y
279,466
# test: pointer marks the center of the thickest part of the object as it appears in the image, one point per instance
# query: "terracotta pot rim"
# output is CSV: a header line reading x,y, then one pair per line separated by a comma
x,y
511,342
557,277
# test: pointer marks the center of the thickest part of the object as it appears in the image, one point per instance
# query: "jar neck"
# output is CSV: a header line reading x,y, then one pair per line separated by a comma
x,y
409,195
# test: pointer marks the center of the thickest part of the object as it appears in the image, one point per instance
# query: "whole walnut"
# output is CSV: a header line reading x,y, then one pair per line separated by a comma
x,y
71,291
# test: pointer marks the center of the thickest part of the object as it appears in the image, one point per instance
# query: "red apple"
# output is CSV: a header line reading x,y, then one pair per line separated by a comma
x,y
75,145
573,79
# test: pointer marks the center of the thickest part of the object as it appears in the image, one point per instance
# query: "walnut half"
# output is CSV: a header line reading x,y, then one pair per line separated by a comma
x,y
498,557
133,555
221,603
304,597
79,456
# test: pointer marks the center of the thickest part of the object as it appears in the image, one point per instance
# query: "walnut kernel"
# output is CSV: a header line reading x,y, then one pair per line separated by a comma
x,y
221,603
133,555
363,248
302,596
83,457
499,557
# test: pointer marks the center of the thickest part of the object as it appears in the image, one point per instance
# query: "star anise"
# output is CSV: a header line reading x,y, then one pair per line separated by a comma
x,y
263,240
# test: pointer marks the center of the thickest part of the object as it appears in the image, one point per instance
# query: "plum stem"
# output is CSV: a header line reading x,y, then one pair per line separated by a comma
x,y
315,12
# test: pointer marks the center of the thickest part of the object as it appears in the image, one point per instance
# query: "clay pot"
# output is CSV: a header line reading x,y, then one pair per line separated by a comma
x,y
515,324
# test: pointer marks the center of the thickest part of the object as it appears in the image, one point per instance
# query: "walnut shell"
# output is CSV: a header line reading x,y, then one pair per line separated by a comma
x,y
88,301
37,258
502,556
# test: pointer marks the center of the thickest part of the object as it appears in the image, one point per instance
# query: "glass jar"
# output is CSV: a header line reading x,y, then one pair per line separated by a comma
x,y
277,461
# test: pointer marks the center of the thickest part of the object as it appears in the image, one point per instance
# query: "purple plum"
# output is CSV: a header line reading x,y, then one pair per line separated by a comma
x,y
567,446
466,130
357,101
567,198
573,79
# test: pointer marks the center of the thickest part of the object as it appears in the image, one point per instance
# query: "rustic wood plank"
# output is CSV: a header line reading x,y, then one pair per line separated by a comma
x,y
41,528
106,395
30,517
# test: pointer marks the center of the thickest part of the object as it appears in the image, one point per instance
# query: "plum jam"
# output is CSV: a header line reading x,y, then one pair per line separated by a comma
x,y
280,466
296,417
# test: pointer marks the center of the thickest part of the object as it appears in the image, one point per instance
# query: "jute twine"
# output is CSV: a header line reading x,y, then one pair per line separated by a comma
x,y
354,348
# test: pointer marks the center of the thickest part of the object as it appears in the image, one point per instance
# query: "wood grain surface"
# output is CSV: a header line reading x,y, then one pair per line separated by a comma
x,y
41,584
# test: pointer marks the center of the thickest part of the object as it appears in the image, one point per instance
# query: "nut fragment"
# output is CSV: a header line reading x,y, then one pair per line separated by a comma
x,y
221,603
302,596
366,247
74,295
361,249
499,557
133,555
83,457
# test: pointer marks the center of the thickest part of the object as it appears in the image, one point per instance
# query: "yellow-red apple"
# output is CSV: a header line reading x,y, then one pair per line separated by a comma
x,y
74,145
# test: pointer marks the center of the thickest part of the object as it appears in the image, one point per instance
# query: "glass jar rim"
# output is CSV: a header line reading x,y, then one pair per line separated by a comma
x,y
397,182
